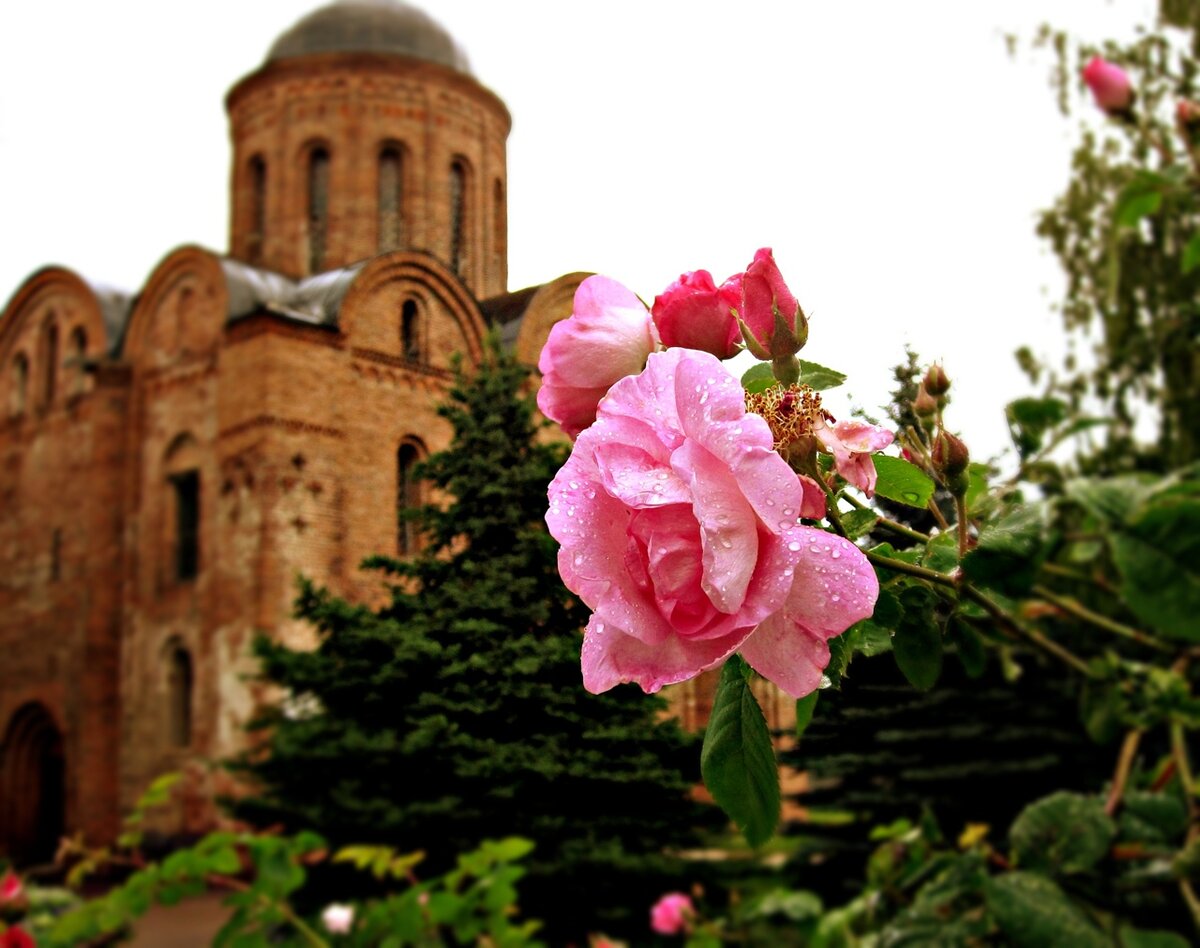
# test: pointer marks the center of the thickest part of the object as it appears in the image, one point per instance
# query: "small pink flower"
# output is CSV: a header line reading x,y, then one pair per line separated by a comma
x,y
338,919
1110,85
763,292
679,527
671,914
10,887
852,443
607,337
694,313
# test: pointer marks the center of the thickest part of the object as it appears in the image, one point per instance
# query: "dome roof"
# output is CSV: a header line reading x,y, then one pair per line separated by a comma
x,y
371,26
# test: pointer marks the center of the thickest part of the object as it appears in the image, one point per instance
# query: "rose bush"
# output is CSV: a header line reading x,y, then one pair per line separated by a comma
x,y
679,527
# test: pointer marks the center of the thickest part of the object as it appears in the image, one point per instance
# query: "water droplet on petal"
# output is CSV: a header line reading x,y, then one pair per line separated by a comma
x,y
794,546
836,554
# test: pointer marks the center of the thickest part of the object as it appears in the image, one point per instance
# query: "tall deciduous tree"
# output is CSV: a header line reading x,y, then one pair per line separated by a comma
x,y
456,711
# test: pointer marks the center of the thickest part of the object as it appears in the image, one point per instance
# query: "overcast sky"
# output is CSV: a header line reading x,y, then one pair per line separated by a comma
x,y
893,154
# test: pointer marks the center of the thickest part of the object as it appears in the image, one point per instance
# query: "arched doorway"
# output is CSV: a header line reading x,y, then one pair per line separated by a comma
x,y
32,792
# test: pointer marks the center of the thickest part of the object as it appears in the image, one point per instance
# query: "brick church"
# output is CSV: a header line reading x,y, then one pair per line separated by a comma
x,y
171,459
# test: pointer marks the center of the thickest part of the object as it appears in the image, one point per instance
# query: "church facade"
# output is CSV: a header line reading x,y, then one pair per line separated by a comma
x,y
170,461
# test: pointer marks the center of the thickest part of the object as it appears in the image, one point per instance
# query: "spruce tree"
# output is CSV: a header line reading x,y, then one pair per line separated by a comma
x,y
456,712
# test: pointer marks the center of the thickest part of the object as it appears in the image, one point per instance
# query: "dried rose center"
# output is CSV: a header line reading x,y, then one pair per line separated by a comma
x,y
790,412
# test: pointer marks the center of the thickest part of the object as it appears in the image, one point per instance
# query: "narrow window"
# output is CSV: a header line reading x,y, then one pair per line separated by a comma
x,y
49,356
500,222
78,352
56,555
318,208
187,523
258,208
179,696
408,497
391,199
410,331
20,384
458,216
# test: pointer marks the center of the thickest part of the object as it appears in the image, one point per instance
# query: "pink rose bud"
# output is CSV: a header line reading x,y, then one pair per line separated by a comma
x,y
607,337
1110,86
694,313
338,919
672,913
772,322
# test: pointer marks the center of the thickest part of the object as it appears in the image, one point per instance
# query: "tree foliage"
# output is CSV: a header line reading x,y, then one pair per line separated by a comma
x,y
455,711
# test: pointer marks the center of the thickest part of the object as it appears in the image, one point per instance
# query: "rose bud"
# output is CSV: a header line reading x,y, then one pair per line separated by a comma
x,y
1110,85
936,382
694,313
771,320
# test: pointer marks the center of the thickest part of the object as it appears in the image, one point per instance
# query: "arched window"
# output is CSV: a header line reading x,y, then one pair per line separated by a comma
x,y
78,356
458,215
410,331
180,682
318,208
391,198
258,208
408,497
49,360
182,522
500,223
19,394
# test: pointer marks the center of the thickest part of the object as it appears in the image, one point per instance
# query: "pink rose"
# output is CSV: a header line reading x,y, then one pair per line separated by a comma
x,y
607,337
1110,86
671,914
763,292
852,443
678,526
694,313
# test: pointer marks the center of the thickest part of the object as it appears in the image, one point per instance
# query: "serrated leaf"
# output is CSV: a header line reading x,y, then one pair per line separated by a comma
x,y
902,482
858,523
1064,833
968,646
917,646
1009,551
1035,913
941,553
804,712
1162,591
819,377
758,378
737,759
1110,500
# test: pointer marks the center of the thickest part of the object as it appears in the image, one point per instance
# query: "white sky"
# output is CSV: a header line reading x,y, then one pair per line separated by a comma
x,y
893,154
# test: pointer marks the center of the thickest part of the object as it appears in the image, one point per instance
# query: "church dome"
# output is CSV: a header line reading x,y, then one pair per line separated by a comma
x,y
371,26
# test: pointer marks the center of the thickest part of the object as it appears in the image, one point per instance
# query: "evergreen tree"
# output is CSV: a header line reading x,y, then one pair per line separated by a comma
x,y
456,712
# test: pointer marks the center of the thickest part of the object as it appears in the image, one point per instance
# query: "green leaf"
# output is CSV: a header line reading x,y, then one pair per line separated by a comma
x,y
1140,938
977,485
1158,557
1111,499
758,378
858,523
1153,818
737,760
1140,198
918,650
1191,254
902,482
1064,833
1030,418
804,712
941,553
1035,913
1009,552
968,646
819,377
